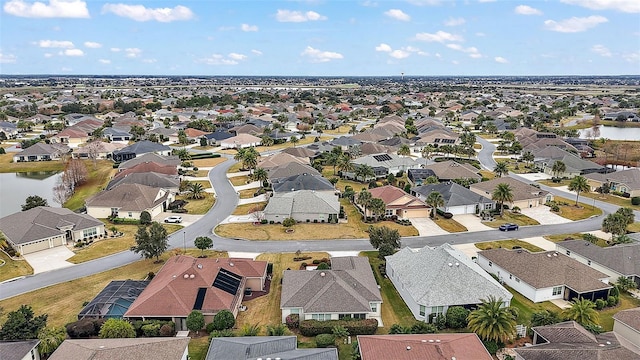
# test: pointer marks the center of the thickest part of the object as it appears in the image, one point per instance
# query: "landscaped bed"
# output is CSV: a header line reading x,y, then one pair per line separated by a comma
x,y
245,208
576,236
570,211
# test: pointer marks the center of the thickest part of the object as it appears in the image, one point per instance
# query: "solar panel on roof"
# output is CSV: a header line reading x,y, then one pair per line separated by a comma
x,y
227,281
200,299
382,157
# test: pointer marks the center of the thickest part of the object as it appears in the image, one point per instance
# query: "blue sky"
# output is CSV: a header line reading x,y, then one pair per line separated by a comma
x,y
320,38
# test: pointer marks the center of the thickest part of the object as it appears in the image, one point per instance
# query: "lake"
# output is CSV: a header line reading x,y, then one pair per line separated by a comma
x,y
16,187
613,133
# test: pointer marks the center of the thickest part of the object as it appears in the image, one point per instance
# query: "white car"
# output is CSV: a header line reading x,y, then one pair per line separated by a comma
x,y
173,219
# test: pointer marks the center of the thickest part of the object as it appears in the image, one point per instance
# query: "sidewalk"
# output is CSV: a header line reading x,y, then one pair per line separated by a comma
x,y
251,185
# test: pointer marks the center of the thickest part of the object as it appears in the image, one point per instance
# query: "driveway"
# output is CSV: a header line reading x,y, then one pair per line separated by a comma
x,y
468,249
541,242
50,259
187,219
544,215
471,222
535,176
426,227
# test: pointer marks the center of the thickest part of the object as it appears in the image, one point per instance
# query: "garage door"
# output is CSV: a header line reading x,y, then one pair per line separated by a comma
x,y
33,247
416,213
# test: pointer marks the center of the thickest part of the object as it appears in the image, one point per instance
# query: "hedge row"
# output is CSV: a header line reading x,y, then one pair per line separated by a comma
x,y
354,327
204,156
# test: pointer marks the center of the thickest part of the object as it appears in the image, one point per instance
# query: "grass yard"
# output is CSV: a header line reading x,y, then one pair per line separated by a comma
x,y
247,193
239,180
110,246
306,141
449,225
576,236
13,268
526,307
608,198
606,314
199,206
509,217
635,227
507,244
198,346
568,210
211,162
8,166
205,183
237,167
394,310
244,209
553,184
97,180
487,174
343,129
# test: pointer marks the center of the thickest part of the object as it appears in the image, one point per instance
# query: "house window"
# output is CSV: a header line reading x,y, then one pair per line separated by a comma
x,y
490,263
589,262
437,310
294,311
388,212
423,310
557,290
321,317
488,206
374,307
517,280
89,232
568,252
510,277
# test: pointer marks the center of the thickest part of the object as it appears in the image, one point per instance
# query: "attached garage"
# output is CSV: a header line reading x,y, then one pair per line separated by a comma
x,y
37,246
415,213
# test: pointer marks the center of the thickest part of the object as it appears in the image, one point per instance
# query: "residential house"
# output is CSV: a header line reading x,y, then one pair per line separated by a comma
x,y
114,300
194,135
615,261
210,285
624,181
265,347
9,129
151,179
458,200
301,152
165,134
422,346
418,176
384,164
140,148
20,350
291,169
240,141
128,201
96,150
437,138
375,148
546,157
399,203
346,142
43,227
626,324
217,136
451,170
42,152
348,290
303,206
302,181
419,275
166,348
171,161
546,275
524,195
570,341
118,135
280,159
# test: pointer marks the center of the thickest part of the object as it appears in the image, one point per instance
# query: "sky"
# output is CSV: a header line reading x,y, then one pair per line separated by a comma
x,y
320,37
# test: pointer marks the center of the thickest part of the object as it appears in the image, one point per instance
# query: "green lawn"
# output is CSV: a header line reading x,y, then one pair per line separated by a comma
x,y
509,217
8,166
97,180
13,268
606,315
569,211
507,244
198,346
576,236
526,307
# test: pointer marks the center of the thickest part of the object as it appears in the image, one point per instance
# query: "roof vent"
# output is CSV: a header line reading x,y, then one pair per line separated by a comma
x,y
555,254
430,340
409,348
437,340
450,264
549,255
322,274
186,276
423,340
199,266
230,264
457,264
608,342
192,276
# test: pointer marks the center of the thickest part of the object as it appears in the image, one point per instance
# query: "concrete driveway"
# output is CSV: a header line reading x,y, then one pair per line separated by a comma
x,y
471,222
187,219
50,259
426,227
536,176
544,215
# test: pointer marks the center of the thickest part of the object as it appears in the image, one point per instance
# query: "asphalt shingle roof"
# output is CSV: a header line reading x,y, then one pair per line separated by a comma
x,y
273,347
122,349
624,258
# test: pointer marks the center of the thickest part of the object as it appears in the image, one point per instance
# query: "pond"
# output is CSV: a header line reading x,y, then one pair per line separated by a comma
x,y
613,133
16,187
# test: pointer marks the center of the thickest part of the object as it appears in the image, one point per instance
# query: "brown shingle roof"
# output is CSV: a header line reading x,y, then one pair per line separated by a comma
x,y
129,197
448,170
280,159
630,317
390,193
422,347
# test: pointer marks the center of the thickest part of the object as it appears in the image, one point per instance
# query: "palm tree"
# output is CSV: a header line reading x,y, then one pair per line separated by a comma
x,y
239,155
195,191
491,321
404,150
50,338
502,193
267,140
363,199
377,207
527,157
294,140
364,172
558,168
579,184
582,311
435,200
344,163
332,159
261,175
427,151
446,149
501,169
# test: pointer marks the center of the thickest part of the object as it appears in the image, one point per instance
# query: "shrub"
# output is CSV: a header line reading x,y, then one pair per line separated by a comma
x,y
456,317
323,266
151,330
600,304
223,320
635,200
354,327
441,322
221,333
116,328
612,301
325,340
145,218
288,222
292,321
276,330
168,329
491,346
269,268
399,329
423,328
84,328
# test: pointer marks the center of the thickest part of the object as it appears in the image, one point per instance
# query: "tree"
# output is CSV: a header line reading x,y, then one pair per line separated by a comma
x,y
333,158
377,207
183,154
21,324
527,157
627,214
145,218
502,193
75,173
33,201
615,224
363,199
582,311
152,243
625,283
61,191
116,329
294,140
344,163
558,168
195,190
384,235
501,169
545,317
457,317
261,175
50,338
203,243
276,330
364,172
404,150
579,184
223,320
427,151
195,321
435,200
491,321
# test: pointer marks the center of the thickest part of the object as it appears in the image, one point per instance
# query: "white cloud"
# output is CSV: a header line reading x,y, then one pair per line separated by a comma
x,y
527,10
104,61
217,59
369,3
72,52
257,52
52,9
438,55
116,49
454,21
628,6
66,69
383,47
501,60
486,1
298,16
440,36
236,56
317,56
399,54
472,51
633,57
575,24
398,15
149,61
425,2
455,62
142,13
7,58
55,44
92,45
601,50
248,28
48,55
481,34
132,52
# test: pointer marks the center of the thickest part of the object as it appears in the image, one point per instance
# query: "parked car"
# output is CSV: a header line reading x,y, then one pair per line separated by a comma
x,y
508,227
173,219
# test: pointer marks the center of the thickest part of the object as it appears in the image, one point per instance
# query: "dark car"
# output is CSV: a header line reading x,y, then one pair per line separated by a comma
x,y
508,227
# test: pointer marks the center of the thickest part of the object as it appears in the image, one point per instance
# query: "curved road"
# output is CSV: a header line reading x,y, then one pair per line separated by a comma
x,y
227,200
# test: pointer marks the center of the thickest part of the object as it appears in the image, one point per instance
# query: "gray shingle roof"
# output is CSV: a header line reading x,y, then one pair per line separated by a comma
x,y
347,288
521,190
424,271
630,317
150,157
291,169
121,349
448,170
394,161
142,147
452,193
629,177
43,222
128,197
302,182
253,347
151,179
16,350
624,259
303,201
